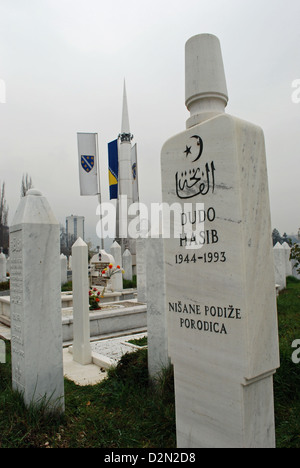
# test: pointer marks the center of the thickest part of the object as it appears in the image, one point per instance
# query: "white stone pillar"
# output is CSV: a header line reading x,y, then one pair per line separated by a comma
x,y
81,321
64,268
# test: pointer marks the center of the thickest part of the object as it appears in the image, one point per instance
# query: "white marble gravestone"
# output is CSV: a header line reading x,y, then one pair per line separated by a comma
x,y
64,269
288,263
127,265
117,279
35,290
2,267
220,294
158,357
81,321
280,265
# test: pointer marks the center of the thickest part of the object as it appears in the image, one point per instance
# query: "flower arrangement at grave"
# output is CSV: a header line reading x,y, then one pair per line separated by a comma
x,y
109,271
94,298
94,294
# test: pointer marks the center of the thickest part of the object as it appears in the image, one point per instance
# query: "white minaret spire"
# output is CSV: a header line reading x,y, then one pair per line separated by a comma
x,y
125,169
125,129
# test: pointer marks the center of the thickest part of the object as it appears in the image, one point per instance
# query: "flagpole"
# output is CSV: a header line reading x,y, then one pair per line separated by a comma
x,y
99,194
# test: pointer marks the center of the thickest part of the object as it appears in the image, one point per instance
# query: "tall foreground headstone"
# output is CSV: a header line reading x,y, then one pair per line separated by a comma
x,y
220,294
36,323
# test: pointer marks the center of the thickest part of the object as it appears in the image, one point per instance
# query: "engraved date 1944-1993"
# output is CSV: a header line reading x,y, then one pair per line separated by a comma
x,y
208,257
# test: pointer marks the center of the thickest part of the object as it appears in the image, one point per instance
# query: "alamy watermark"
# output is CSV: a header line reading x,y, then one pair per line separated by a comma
x,y
186,222
296,93
296,353
2,92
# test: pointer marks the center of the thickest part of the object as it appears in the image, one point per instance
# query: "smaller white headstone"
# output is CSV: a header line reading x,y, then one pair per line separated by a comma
x,y
127,265
288,263
117,279
70,262
64,268
2,267
280,266
81,320
158,357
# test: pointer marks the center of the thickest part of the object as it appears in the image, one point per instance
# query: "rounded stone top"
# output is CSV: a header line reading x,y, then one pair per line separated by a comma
x,y
34,192
204,70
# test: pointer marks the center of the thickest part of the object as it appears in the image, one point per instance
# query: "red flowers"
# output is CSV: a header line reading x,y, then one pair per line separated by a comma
x,y
94,299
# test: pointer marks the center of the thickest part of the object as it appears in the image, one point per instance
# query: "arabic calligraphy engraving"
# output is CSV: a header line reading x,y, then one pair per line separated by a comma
x,y
197,179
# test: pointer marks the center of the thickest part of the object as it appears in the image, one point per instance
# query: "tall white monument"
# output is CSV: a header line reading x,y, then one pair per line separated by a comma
x,y
220,293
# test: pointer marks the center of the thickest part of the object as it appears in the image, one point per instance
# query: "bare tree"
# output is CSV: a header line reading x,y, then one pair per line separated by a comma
x,y
3,206
3,218
26,184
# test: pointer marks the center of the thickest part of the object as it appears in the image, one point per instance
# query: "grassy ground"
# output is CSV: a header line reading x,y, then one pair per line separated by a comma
x,y
287,378
126,411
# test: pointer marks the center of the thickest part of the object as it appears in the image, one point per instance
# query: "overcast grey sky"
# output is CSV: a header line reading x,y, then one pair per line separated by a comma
x,y
64,62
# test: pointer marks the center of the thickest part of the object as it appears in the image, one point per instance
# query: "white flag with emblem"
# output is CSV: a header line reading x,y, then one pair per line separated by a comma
x,y
88,163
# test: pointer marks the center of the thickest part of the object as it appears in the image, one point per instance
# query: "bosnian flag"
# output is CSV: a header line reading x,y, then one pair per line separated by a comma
x,y
88,163
113,169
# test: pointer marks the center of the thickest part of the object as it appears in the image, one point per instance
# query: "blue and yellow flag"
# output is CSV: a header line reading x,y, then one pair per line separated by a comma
x,y
113,169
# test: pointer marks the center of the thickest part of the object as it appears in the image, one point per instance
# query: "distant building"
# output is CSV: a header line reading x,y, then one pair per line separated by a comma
x,y
75,227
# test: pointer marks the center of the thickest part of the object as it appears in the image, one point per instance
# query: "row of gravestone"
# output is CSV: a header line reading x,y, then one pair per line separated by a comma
x,y
36,327
124,260
284,267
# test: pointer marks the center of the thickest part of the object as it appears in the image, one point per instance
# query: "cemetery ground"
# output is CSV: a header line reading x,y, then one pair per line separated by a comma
x,y
127,411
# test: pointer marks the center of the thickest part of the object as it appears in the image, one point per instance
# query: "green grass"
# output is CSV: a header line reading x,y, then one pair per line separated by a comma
x,y
130,284
4,286
66,287
140,341
126,411
287,378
